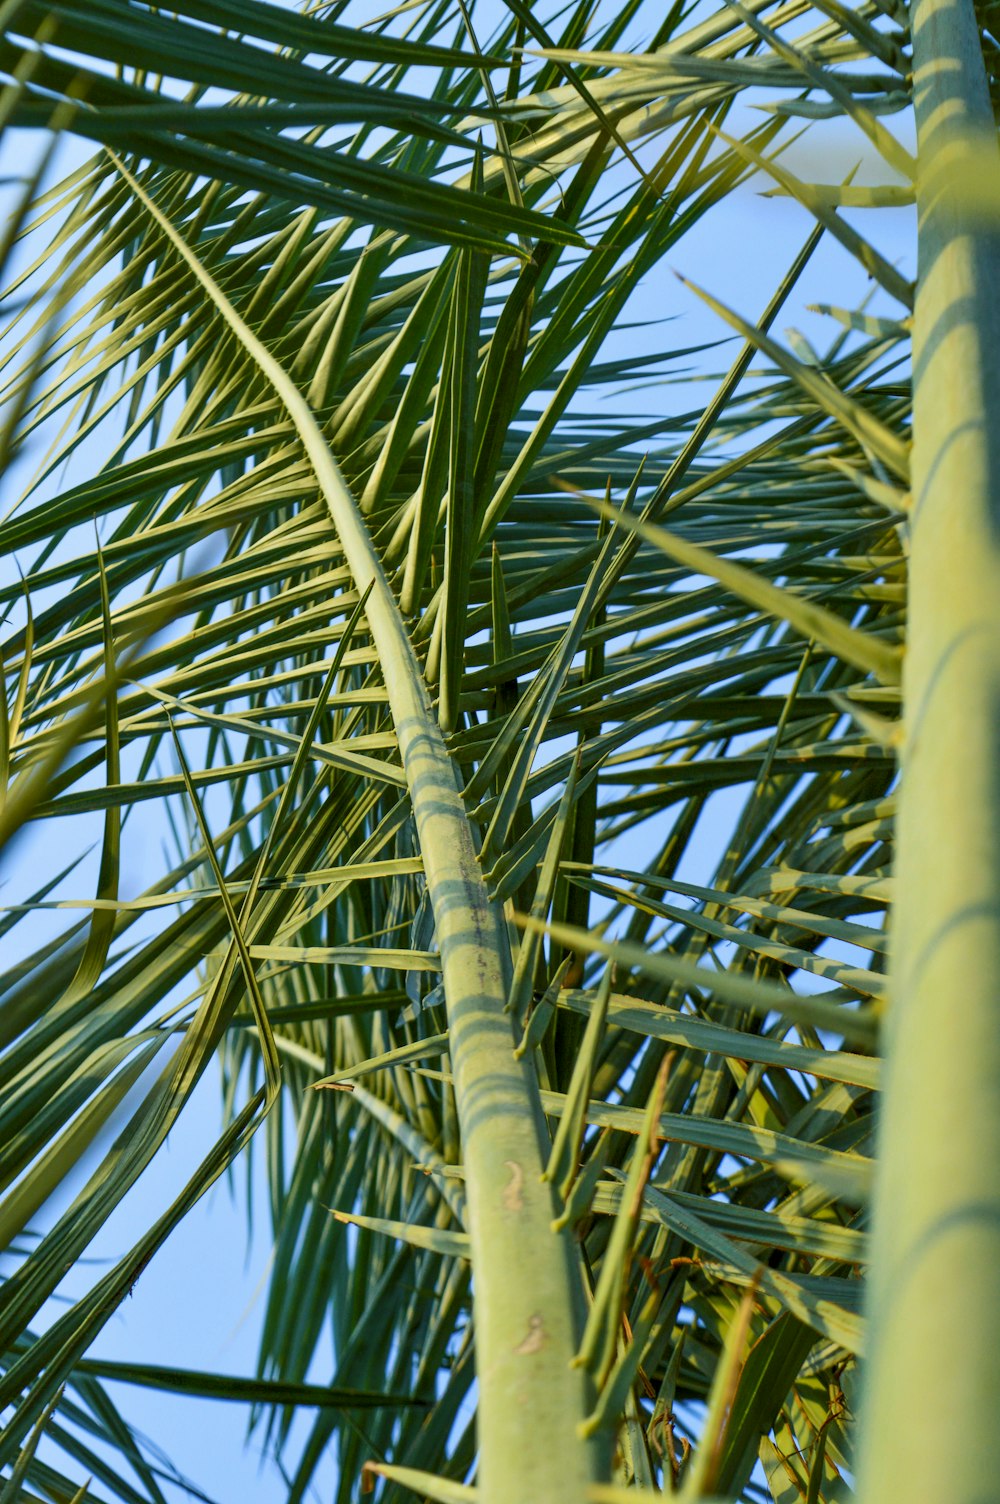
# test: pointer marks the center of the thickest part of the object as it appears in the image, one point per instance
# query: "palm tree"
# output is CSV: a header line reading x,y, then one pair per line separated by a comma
x,y
439,678
939,1194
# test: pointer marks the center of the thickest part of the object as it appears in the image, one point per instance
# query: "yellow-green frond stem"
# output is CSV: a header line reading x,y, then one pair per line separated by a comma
x,y
529,1296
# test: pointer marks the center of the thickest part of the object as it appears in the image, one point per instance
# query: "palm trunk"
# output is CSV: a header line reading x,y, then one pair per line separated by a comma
x,y
930,1430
